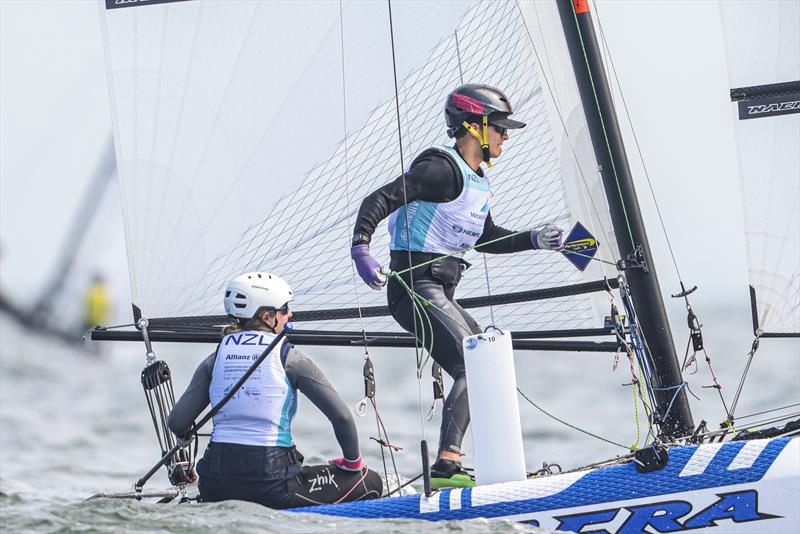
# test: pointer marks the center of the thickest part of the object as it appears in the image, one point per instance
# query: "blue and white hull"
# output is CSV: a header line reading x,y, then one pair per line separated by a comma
x,y
742,486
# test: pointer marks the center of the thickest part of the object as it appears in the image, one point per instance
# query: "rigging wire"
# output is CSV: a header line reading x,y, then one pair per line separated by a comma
x,y
636,327
385,444
767,411
420,302
773,420
636,143
571,143
367,359
750,355
693,322
634,352
636,418
475,247
605,136
684,293
485,259
710,435
405,211
588,200
524,396
404,484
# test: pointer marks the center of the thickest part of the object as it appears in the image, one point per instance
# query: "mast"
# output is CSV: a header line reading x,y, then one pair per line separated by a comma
x,y
104,172
626,217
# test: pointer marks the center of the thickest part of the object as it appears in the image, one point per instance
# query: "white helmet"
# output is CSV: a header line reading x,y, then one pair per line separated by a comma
x,y
247,293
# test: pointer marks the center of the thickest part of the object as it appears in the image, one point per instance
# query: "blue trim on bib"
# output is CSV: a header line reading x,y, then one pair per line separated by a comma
x,y
421,223
443,227
399,222
287,414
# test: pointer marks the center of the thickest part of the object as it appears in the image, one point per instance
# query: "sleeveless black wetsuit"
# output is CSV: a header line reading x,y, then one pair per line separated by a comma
x,y
434,177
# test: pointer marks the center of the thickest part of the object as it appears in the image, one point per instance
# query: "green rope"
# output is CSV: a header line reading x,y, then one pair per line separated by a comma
x,y
460,252
427,302
636,417
570,425
637,389
418,304
421,303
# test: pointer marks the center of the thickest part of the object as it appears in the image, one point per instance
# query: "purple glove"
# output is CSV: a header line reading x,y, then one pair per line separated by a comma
x,y
368,267
549,237
348,465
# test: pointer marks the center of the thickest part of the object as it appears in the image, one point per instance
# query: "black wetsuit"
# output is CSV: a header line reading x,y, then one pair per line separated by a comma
x,y
276,476
435,177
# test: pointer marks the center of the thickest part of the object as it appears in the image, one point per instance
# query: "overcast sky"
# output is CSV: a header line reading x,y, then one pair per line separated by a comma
x,y
669,56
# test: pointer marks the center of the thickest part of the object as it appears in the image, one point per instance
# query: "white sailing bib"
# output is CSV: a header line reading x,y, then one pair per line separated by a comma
x,y
261,412
444,227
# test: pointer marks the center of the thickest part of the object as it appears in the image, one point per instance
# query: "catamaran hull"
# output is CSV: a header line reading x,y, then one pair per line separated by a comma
x,y
743,486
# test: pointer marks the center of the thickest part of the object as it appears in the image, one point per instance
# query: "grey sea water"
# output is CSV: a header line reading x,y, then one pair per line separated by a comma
x,y
73,424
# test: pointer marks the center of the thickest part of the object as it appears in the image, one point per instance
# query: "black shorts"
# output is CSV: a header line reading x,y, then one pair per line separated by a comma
x,y
229,471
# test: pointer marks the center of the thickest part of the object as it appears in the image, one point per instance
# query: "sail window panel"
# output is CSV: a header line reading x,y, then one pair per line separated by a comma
x,y
762,43
770,173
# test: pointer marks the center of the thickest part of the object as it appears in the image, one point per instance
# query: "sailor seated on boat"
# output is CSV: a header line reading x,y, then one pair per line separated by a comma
x,y
438,209
251,456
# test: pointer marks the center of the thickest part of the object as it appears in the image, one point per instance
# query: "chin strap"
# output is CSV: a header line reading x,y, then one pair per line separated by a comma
x,y
483,139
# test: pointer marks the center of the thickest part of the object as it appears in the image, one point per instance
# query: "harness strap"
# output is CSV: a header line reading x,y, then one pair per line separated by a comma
x,y
421,262
292,456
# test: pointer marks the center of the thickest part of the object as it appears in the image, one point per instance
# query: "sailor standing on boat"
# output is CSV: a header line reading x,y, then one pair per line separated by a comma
x,y
439,208
251,456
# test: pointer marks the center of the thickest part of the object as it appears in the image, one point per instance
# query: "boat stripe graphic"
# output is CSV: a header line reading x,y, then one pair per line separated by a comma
x,y
689,468
525,489
700,460
748,455
429,504
455,499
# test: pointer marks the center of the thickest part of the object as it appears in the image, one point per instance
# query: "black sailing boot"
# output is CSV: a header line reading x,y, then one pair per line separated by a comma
x,y
450,474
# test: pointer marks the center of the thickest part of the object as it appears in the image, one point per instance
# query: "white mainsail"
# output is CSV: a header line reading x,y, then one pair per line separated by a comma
x,y
248,133
763,47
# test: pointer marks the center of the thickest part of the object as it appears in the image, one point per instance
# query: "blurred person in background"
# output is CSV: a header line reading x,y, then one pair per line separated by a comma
x,y
96,303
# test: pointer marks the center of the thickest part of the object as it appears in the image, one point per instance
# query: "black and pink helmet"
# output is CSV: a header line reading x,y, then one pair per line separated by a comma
x,y
478,100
